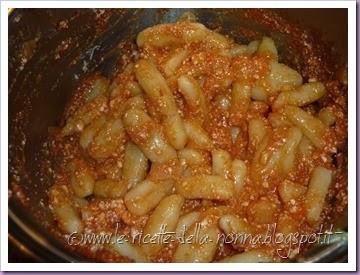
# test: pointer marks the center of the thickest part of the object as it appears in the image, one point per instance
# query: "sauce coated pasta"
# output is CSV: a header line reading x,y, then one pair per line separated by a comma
x,y
197,140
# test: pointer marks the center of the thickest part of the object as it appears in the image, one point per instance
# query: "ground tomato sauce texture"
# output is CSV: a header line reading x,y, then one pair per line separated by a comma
x,y
216,74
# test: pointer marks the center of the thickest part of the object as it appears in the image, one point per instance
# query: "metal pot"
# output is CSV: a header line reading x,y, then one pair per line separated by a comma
x,y
51,50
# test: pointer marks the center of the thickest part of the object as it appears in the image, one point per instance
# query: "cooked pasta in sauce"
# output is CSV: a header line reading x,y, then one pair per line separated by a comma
x,y
197,136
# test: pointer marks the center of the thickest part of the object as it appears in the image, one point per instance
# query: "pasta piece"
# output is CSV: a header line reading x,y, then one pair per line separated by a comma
x,y
175,61
267,47
258,93
194,161
235,131
223,102
164,219
155,86
81,179
64,208
280,160
253,46
135,165
126,249
305,147
108,140
198,251
327,117
282,77
231,224
134,88
120,105
185,222
216,40
193,95
240,101
212,214
317,190
157,39
260,151
145,133
125,84
238,173
257,131
251,256
157,90
68,218
87,136
236,231
278,120
237,50
221,163
111,168
191,157
175,131
288,150
109,188
177,34
197,135
289,190
145,196
84,115
79,203
303,95
98,87
312,127
172,34
135,102
206,187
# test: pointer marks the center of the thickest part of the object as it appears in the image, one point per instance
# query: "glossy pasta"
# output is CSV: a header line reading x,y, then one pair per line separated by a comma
x,y
197,135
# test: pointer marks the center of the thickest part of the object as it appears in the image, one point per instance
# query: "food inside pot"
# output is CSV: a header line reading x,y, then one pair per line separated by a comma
x,y
199,150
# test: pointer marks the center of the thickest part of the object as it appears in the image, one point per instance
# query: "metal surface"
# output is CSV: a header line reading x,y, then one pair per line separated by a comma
x,y
43,73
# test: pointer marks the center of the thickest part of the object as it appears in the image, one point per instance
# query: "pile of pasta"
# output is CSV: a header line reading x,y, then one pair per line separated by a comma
x,y
196,131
